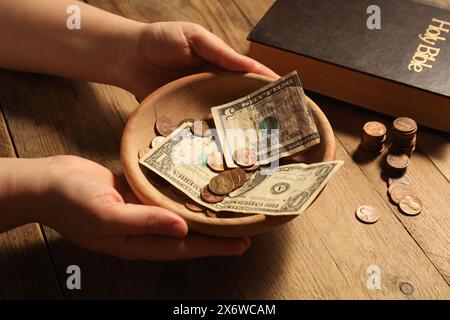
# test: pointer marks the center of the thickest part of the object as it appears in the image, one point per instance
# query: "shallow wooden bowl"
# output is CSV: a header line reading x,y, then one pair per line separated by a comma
x,y
192,97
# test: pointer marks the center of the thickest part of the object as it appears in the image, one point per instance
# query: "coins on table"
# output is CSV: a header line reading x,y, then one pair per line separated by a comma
x,y
404,179
215,161
373,136
367,214
397,164
397,191
410,205
245,157
164,126
404,136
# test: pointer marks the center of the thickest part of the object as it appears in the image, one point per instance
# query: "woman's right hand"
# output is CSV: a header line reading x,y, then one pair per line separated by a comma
x,y
93,208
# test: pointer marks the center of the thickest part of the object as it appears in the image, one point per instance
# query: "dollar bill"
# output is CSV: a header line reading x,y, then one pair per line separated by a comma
x,y
275,121
287,191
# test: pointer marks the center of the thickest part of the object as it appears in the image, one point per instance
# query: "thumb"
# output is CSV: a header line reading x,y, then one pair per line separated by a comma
x,y
213,49
136,219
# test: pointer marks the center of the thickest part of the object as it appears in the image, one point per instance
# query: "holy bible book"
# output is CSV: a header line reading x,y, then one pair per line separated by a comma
x,y
401,69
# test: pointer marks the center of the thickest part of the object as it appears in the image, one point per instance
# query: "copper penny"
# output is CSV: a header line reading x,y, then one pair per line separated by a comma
x,y
404,179
211,214
411,205
245,157
143,151
193,206
215,161
241,177
157,141
367,214
210,197
200,128
164,126
374,129
400,161
221,184
404,124
398,191
184,121
252,168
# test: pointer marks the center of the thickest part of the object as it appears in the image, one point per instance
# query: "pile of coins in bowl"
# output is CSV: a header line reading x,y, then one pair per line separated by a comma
x,y
404,132
227,180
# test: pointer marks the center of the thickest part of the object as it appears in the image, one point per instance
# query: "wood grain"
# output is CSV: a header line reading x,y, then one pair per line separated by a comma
x,y
325,252
26,270
430,228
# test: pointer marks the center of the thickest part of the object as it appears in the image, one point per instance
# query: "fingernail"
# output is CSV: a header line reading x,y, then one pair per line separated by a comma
x,y
247,242
178,229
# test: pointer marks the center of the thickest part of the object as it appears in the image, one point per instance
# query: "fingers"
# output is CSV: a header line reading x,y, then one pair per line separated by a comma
x,y
159,248
213,49
135,219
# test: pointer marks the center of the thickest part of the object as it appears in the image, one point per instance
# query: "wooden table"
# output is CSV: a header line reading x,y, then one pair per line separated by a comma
x,y
325,253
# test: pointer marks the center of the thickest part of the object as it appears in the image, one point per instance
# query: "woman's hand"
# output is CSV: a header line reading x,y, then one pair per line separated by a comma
x,y
93,208
162,52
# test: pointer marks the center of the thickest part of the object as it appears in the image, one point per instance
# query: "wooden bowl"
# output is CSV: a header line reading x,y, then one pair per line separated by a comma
x,y
192,97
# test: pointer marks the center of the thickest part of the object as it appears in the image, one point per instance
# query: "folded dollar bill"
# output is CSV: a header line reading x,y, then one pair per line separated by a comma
x,y
275,121
288,190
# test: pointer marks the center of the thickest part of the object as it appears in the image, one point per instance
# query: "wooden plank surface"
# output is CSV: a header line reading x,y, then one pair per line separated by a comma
x,y
26,270
322,254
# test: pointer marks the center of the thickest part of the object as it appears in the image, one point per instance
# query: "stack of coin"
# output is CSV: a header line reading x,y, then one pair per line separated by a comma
x,y
373,136
404,136
402,194
397,164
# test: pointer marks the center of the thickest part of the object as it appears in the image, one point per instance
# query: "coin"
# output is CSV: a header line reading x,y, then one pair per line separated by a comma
x,y
185,120
374,129
211,214
411,205
398,191
221,184
200,128
157,141
143,151
215,161
367,214
164,126
400,161
242,177
404,179
233,177
404,124
252,168
245,157
193,206
210,197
